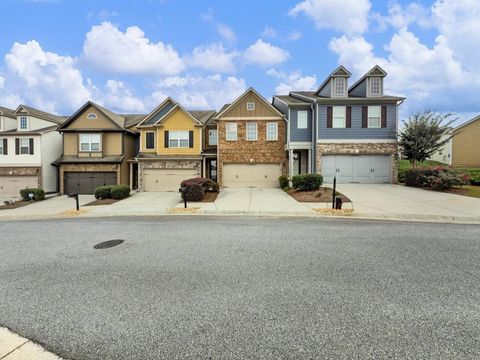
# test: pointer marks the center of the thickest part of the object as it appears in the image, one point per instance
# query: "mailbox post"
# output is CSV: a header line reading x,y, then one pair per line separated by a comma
x,y
182,190
76,199
334,191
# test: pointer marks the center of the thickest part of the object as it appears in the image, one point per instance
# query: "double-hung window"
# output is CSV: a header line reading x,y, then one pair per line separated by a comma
x,y
24,146
90,142
178,139
2,150
374,116
23,123
231,132
302,120
272,131
339,117
251,131
339,86
250,106
212,137
375,86
150,140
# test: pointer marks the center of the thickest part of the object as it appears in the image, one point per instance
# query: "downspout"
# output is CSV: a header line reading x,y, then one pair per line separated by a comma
x,y
314,138
288,143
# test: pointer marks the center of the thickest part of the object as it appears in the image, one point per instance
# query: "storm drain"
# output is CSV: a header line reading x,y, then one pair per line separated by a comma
x,y
108,244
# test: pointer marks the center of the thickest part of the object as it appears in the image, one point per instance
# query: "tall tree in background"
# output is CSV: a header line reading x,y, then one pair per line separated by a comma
x,y
423,134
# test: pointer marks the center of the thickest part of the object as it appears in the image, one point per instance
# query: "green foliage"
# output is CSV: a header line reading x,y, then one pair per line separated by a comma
x,y
283,180
38,194
195,188
437,178
423,134
103,192
120,192
404,165
307,182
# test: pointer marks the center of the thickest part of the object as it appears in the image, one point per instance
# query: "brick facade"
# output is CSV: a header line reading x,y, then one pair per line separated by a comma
x,y
360,149
166,164
246,152
23,171
88,168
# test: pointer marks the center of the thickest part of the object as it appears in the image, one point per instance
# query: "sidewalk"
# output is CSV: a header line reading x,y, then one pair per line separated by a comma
x,y
14,347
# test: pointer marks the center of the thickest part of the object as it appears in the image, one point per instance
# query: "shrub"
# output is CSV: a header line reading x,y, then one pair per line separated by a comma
x,y
38,194
119,192
103,192
475,180
438,178
283,180
307,182
204,183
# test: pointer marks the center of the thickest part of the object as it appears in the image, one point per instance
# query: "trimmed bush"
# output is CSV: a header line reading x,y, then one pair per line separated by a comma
x,y
120,192
103,192
194,192
283,180
438,178
207,185
38,194
475,180
307,182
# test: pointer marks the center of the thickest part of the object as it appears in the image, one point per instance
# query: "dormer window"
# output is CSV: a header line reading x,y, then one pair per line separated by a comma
x,y
92,116
375,86
23,123
339,86
250,106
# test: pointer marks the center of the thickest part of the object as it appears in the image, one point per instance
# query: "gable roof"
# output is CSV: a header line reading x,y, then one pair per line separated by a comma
x,y
228,107
476,118
202,115
7,112
40,114
374,71
115,119
339,71
160,113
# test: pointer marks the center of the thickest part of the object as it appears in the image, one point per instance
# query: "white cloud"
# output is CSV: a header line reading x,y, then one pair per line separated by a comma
x,y
293,81
226,33
294,36
213,58
2,82
269,32
42,79
113,51
118,97
347,16
265,54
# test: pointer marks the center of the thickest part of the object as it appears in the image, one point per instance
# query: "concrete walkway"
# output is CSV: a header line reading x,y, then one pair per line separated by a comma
x,y
14,347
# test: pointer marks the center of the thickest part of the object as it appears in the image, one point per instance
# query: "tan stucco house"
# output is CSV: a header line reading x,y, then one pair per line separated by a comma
x,y
465,145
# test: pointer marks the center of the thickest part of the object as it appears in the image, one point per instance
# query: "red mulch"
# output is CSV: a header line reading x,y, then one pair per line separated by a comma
x,y
324,194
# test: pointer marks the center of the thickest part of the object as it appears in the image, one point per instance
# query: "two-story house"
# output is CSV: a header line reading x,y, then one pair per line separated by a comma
x,y
345,132
251,142
28,145
171,148
97,144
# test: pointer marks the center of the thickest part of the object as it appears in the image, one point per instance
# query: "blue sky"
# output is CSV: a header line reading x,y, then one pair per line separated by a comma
x,y
128,55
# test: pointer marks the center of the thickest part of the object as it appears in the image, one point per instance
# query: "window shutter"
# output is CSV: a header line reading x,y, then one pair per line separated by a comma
x,y
5,146
329,116
364,116
349,117
166,139
17,146
31,145
384,116
190,139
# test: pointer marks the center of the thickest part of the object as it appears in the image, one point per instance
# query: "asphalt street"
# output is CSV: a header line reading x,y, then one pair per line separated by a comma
x,y
242,288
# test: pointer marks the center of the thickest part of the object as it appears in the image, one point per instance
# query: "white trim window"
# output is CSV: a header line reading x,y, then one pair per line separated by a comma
x,y
339,117
2,151
250,106
272,131
178,139
339,86
150,140
231,132
23,120
212,137
251,133
375,86
302,122
90,142
24,146
1,123
374,117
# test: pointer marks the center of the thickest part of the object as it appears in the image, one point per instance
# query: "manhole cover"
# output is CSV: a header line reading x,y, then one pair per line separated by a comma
x,y
108,244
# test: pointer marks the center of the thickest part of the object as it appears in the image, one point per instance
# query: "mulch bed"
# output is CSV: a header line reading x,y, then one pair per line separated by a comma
x,y
16,204
102,202
324,194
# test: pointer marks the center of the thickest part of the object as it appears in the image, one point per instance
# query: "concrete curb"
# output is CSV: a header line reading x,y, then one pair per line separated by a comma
x,y
15,347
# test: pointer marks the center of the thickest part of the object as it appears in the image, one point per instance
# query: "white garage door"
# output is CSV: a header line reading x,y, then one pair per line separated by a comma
x,y
10,186
251,175
363,169
166,179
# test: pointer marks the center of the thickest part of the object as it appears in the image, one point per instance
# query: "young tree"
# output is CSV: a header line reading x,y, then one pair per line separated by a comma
x,y
423,134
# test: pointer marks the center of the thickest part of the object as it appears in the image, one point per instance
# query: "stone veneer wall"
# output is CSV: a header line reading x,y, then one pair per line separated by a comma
x,y
23,171
360,149
166,164
89,168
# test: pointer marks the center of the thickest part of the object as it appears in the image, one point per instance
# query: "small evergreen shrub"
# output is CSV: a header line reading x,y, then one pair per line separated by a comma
x,y
38,194
438,178
307,182
196,188
120,192
103,192
283,180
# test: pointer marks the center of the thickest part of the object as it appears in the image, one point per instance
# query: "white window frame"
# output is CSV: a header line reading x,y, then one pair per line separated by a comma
x,y
370,81
1,147
339,117
91,116
231,131
91,140
250,106
154,140
335,82
20,119
374,112
212,135
179,139
251,131
272,131
22,145
304,122
1,123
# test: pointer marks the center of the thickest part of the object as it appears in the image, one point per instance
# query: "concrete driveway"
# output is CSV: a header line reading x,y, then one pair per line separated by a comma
x,y
390,201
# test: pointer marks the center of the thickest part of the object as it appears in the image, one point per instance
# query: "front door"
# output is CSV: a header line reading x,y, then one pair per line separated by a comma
x,y
212,169
297,162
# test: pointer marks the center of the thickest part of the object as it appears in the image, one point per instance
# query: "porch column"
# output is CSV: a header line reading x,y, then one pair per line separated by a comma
x,y
131,176
204,168
309,157
290,162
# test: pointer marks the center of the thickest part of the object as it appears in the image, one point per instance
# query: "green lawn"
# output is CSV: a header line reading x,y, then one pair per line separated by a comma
x,y
404,165
473,191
